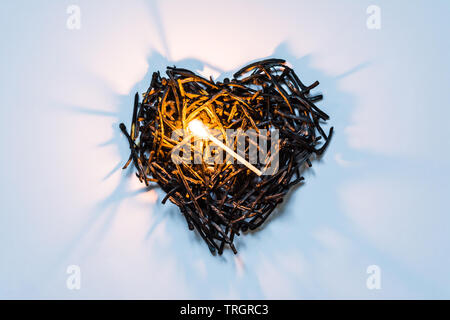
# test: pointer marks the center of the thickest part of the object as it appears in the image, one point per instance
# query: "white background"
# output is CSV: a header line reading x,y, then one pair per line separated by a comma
x,y
379,196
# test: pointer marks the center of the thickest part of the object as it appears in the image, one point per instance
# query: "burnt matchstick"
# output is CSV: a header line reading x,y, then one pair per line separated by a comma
x,y
199,129
221,200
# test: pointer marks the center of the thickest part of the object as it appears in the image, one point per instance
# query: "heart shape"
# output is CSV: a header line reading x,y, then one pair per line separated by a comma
x,y
265,112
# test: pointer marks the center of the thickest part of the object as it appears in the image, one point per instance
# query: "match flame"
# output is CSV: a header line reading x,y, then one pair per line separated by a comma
x,y
198,129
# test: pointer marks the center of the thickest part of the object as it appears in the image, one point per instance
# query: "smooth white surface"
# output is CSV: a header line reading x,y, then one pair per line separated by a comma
x,y
379,196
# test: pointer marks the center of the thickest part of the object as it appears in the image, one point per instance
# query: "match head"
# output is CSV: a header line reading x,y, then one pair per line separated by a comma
x,y
198,129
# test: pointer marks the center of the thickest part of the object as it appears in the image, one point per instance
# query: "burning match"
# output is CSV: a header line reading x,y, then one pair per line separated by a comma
x,y
201,131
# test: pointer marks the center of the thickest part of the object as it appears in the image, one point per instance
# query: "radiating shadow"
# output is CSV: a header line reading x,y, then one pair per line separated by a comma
x,y
158,62
331,104
302,66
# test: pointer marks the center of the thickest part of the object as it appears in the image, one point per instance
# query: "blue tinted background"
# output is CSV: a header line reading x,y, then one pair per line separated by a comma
x,y
378,197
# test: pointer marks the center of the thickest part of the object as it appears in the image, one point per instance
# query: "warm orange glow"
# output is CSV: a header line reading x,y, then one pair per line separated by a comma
x,y
199,130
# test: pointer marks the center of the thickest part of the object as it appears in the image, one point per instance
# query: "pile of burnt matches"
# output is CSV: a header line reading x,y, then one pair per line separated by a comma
x,y
221,200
